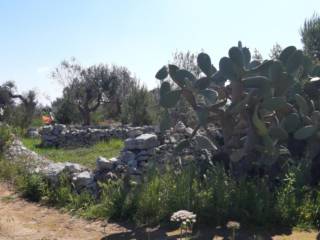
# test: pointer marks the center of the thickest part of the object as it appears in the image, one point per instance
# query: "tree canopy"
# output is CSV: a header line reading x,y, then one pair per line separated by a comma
x,y
310,36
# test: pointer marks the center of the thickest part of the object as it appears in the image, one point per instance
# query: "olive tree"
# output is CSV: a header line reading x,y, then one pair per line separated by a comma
x,y
88,88
24,111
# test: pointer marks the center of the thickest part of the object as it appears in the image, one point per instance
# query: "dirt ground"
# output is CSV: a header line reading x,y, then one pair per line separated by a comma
x,y
21,220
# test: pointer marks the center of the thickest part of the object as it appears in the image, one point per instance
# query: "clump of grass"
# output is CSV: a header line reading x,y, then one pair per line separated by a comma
x,y
83,155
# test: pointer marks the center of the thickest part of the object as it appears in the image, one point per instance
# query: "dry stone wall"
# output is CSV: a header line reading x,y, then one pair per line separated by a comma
x,y
60,135
143,147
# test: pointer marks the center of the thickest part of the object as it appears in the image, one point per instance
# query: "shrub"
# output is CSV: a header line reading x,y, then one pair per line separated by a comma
x,y
139,107
5,136
65,111
32,187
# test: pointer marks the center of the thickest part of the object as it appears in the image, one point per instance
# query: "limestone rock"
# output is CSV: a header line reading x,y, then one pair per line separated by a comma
x,y
52,172
144,141
73,167
180,127
83,180
105,164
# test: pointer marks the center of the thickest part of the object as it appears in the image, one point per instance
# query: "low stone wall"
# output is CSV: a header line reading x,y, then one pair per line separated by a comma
x,y
139,152
60,135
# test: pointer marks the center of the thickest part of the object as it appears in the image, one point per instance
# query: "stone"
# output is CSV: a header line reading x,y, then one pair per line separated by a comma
x,y
180,127
144,141
58,128
189,131
52,172
127,156
83,180
105,164
134,133
46,129
73,167
33,133
143,158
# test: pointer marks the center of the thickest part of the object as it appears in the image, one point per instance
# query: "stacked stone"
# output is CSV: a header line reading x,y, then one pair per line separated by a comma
x,y
133,161
142,147
60,135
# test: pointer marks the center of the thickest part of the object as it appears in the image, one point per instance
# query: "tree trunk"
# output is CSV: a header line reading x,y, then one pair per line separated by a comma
x,y
86,118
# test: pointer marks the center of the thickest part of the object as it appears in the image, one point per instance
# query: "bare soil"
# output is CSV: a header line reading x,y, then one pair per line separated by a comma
x,y
22,220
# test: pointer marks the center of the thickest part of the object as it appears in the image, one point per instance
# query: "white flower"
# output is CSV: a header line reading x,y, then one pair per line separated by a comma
x,y
183,216
233,225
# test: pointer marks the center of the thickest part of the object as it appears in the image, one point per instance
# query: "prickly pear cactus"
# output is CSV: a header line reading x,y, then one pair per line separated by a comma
x,y
258,107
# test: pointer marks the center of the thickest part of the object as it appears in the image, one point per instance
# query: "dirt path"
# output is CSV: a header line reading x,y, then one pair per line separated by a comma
x,y
21,220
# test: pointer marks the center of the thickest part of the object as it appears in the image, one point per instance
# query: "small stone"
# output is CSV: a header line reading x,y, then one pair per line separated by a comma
x,y
180,127
135,133
73,167
105,164
83,180
127,156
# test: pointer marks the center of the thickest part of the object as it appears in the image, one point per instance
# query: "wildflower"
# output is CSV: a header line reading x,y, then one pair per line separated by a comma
x,y
186,220
233,225
182,216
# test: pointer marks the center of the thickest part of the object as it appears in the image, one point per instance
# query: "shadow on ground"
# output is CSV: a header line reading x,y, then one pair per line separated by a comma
x,y
203,234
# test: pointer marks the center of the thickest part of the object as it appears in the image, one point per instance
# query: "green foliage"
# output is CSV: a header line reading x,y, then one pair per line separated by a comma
x,y
139,107
65,111
16,109
84,155
215,197
31,186
180,110
5,136
310,36
111,203
268,102
90,88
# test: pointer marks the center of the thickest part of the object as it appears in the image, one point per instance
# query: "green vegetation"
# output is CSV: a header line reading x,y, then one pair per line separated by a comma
x,y
18,115
5,136
263,155
139,107
215,199
83,155
310,36
267,112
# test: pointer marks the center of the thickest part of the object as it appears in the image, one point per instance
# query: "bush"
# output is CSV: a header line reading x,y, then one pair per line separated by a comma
x,y
65,111
139,107
5,136
32,187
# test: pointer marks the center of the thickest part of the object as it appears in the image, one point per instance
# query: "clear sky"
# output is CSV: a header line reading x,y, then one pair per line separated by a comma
x,y
36,35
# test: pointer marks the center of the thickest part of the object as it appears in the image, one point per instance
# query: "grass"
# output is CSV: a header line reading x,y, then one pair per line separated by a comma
x,y
84,155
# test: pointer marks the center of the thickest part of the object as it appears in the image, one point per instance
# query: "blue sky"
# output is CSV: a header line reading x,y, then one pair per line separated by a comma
x,y
36,35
